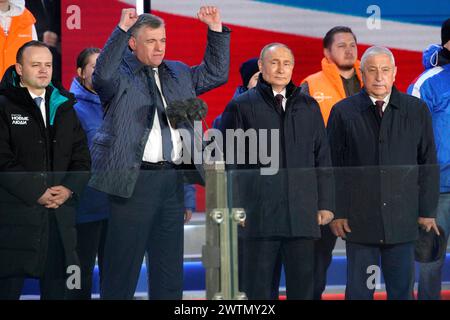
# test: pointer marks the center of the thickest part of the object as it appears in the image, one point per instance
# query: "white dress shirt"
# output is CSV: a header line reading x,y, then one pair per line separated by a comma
x,y
42,106
386,101
153,151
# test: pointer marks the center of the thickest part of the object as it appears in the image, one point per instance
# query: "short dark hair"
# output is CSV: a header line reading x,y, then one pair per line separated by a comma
x,y
84,55
32,43
146,20
329,37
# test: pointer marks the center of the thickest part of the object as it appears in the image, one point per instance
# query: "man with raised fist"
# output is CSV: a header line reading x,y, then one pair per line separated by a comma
x,y
136,150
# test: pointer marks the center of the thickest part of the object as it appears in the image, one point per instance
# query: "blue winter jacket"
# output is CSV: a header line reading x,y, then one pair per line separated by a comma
x,y
121,82
94,205
433,86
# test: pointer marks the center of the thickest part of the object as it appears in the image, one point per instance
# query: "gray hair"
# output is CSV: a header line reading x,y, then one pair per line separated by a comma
x,y
146,20
376,50
274,45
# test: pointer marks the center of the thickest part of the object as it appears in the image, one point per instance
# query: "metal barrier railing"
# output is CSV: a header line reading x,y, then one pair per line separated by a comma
x,y
220,253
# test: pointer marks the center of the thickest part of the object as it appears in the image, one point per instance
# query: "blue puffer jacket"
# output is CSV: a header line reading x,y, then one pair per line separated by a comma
x,y
94,205
433,86
121,82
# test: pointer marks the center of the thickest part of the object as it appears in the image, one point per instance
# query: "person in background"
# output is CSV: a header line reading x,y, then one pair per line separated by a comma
x,y
48,29
433,87
189,201
249,74
339,78
48,16
16,28
51,39
93,209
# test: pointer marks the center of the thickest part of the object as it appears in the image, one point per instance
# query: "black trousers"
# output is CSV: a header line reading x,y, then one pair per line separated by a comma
x,y
53,281
90,244
323,255
151,222
275,291
261,262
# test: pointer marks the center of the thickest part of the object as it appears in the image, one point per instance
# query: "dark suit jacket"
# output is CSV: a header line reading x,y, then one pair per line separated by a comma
x,y
389,177
284,204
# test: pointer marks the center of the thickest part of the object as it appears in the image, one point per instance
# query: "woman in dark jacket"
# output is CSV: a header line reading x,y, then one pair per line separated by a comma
x,y
93,210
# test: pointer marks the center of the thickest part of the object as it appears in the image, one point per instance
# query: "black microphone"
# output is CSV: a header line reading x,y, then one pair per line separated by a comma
x,y
197,109
186,111
176,113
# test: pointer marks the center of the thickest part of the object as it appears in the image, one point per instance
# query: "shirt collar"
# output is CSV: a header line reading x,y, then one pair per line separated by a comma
x,y
386,99
283,93
35,96
32,94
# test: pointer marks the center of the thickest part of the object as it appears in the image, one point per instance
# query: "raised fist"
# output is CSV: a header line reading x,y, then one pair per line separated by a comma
x,y
127,19
210,15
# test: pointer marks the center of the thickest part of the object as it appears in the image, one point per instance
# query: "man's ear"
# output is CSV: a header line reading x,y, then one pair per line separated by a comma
x,y
80,73
18,69
327,53
132,43
259,65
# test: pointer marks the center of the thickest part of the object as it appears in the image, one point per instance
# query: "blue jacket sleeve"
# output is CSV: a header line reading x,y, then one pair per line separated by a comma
x,y
214,69
189,196
106,75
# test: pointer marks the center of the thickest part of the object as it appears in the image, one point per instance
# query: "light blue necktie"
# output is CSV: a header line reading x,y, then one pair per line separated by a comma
x,y
38,101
